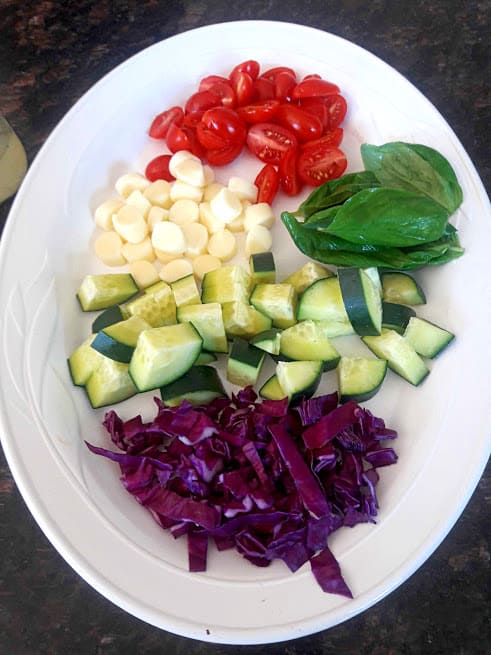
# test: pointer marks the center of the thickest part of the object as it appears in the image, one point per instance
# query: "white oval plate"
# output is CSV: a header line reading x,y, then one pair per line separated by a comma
x,y
77,499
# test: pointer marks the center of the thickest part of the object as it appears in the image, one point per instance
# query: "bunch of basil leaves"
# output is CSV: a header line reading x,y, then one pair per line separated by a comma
x,y
394,214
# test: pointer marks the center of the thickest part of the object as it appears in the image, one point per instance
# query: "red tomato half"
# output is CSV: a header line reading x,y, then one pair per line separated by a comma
x,y
158,169
201,101
337,108
305,126
160,124
268,183
223,156
331,138
319,163
251,67
226,124
263,89
225,92
243,85
259,112
313,88
284,83
287,171
183,138
269,141
272,73
209,81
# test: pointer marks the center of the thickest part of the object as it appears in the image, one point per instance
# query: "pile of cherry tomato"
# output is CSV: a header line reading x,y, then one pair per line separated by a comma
x,y
291,125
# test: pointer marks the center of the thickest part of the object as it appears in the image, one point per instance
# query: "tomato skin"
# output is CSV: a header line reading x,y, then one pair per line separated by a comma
x,y
226,124
269,141
337,108
332,137
209,139
305,126
290,181
177,138
223,156
319,163
263,89
158,169
161,122
284,84
259,112
243,85
210,80
225,92
268,183
251,67
201,101
272,73
314,88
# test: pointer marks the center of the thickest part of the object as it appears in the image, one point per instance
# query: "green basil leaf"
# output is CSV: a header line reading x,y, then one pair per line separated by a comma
x,y
389,217
335,192
416,168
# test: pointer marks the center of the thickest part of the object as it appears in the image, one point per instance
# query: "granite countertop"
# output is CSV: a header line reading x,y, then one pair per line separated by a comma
x,y
50,54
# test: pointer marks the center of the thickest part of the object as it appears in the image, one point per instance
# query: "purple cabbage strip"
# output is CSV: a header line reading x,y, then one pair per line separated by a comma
x,y
271,481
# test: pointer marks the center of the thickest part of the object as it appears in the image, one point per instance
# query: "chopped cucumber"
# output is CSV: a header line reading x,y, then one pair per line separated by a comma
x,y
263,268
163,354
396,316
156,305
299,379
307,275
243,320
226,284
186,291
400,355
109,316
322,301
362,300
205,357
199,386
271,389
101,291
307,340
427,339
207,318
401,288
278,301
268,340
333,329
359,378
244,363
83,362
118,341
109,384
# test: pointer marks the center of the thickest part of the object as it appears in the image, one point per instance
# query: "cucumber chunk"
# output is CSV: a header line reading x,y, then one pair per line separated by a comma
x,y
118,341
268,340
205,357
278,301
262,267
243,320
299,379
109,384
101,291
109,316
199,386
186,291
307,275
226,284
307,341
244,363
163,354
322,301
207,318
396,316
271,389
83,362
359,378
401,288
400,355
361,297
427,339
156,305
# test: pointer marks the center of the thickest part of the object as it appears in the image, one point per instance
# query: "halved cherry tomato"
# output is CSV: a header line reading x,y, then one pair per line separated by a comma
x,y
263,89
312,76
269,141
183,138
251,67
319,163
201,101
225,92
158,169
337,108
160,124
287,171
284,84
268,183
191,120
305,126
223,156
209,139
243,85
225,123
331,138
210,80
313,88
271,73
259,112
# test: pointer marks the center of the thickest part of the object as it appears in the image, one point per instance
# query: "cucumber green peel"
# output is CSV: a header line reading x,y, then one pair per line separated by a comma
x,y
392,215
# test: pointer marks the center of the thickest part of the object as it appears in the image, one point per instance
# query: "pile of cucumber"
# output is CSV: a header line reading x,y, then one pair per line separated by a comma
x,y
164,337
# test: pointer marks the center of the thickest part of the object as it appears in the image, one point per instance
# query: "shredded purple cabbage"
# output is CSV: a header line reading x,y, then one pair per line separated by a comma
x,y
271,481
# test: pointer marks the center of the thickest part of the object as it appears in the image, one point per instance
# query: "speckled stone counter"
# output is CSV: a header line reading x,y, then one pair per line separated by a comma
x,y
50,54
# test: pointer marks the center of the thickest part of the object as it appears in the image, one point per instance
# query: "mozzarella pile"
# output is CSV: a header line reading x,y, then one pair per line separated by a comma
x,y
166,230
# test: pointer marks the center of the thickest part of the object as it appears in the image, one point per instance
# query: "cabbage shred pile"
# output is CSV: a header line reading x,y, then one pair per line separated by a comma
x,y
270,480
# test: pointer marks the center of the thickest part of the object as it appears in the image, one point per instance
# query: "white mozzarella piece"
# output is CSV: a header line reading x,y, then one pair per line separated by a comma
x,y
156,215
260,213
222,245
181,190
196,237
130,224
158,193
138,200
132,252
190,172
175,270
184,211
177,159
259,239
108,247
168,238
205,263
208,219
226,205
129,182
144,273
243,189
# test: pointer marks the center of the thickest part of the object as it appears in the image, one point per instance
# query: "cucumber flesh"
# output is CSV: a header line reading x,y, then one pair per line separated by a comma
x,y
299,379
207,318
401,288
83,362
322,301
101,291
156,305
359,378
361,297
226,284
186,291
307,275
396,316
118,341
109,316
400,355
109,384
278,301
427,339
271,389
268,340
244,363
163,354
243,320
205,357
199,386
262,267
307,341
